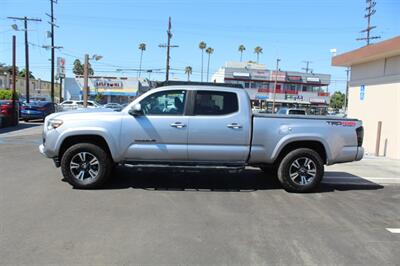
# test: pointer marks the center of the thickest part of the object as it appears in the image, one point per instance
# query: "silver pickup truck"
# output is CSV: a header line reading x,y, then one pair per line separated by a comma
x,y
198,127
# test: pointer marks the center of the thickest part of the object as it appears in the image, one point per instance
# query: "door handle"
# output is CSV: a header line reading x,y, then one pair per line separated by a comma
x,y
178,125
234,126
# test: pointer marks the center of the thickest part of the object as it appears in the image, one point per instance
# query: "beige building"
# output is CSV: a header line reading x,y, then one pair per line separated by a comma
x,y
374,94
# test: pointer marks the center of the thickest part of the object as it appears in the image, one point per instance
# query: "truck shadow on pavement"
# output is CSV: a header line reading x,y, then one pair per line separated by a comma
x,y
247,181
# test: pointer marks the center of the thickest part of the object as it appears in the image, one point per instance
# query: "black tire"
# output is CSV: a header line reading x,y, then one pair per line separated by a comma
x,y
104,166
304,181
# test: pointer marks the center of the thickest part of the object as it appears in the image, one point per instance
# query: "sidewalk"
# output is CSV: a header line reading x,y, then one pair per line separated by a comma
x,y
378,170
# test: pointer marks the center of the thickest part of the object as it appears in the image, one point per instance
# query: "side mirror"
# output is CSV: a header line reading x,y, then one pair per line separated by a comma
x,y
136,110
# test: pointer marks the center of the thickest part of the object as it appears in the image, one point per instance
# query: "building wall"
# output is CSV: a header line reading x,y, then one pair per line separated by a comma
x,y
37,87
381,102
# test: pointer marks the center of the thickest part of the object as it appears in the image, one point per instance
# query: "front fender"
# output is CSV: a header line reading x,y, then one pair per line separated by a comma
x,y
111,142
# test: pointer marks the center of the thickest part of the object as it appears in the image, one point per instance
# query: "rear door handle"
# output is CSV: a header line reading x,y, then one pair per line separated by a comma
x,y
234,126
178,125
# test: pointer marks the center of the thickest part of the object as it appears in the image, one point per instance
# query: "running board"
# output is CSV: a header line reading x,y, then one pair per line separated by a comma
x,y
186,167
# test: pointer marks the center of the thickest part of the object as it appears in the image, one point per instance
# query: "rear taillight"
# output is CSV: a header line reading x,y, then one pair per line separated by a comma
x,y
41,108
360,136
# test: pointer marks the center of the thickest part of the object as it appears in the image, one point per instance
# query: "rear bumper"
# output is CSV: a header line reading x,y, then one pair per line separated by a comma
x,y
360,153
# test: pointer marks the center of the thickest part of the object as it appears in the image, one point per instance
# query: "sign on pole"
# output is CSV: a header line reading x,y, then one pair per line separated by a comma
x,y
60,67
362,92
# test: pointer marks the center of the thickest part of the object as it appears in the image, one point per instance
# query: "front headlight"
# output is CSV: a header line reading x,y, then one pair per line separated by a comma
x,y
54,123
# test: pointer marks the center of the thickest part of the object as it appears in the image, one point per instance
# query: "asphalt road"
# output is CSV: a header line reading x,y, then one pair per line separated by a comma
x,y
153,217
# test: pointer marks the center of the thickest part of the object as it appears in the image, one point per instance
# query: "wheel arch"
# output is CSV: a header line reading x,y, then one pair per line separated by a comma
x,y
87,138
315,145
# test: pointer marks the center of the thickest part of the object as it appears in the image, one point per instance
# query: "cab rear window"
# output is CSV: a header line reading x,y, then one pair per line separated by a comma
x,y
215,103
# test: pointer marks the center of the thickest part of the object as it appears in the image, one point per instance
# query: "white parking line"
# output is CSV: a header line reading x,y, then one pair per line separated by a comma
x,y
394,230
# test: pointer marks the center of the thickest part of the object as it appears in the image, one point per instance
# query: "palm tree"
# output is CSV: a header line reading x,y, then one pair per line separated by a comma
x,y
241,49
258,50
188,71
142,48
209,51
202,46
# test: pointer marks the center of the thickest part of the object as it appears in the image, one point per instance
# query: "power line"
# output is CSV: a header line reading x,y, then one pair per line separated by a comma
x,y
370,12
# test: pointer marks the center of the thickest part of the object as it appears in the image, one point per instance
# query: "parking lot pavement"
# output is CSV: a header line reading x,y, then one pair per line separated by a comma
x,y
169,217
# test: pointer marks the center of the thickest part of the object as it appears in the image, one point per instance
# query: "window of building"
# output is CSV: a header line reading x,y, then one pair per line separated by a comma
x,y
215,103
164,103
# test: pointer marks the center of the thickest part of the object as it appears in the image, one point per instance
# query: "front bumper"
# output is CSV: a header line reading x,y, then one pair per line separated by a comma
x,y
42,151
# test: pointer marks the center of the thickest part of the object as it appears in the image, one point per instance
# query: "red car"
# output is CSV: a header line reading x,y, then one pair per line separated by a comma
x,y
6,112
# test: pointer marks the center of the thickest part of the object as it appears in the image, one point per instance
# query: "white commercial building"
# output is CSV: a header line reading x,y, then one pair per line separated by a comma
x,y
374,94
293,88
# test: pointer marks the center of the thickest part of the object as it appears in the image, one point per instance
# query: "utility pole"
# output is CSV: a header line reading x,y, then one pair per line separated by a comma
x,y
275,83
346,96
168,46
307,69
370,12
85,80
14,78
25,19
52,24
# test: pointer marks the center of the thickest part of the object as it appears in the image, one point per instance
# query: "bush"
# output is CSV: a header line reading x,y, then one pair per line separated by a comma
x,y
6,94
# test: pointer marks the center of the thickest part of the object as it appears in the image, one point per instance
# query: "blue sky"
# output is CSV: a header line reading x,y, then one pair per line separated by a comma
x,y
292,30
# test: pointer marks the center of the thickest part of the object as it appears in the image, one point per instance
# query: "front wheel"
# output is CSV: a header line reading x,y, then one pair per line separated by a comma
x,y
86,165
301,170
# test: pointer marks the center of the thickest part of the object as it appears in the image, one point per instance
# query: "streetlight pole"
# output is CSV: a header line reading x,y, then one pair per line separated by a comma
x,y
86,77
15,27
85,80
275,83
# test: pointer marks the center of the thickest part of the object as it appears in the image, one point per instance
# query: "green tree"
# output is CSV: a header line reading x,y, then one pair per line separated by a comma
x,y
337,100
142,48
6,69
202,46
258,50
78,67
22,74
7,94
209,51
188,72
99,97
241,49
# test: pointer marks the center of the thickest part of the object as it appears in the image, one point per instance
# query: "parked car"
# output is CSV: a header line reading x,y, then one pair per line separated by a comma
x,y
36,110
6,112
198,127
114,106
291,111
72,105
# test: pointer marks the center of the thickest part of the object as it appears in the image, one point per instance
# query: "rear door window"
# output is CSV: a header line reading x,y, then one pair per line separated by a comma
x,y
215,103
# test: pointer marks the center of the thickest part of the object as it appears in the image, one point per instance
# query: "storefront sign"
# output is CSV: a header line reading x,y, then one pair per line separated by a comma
x,y
260,74
317,100
108,84
241,74
294,78
261,97
311,79
60,67
280,76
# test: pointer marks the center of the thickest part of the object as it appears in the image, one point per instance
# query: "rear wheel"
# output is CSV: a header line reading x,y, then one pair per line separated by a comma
x,y
86,165
301,170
